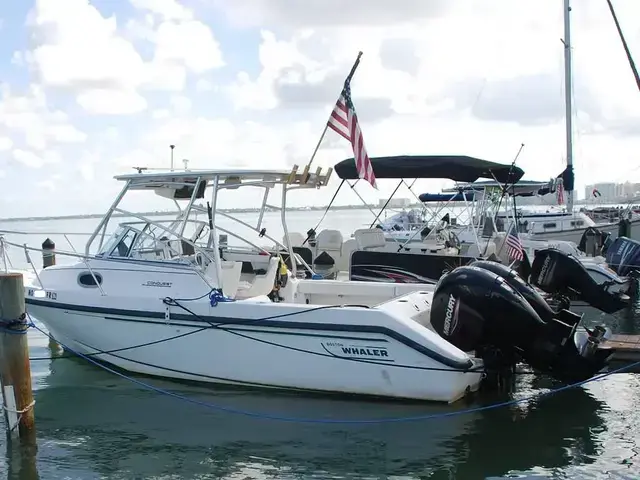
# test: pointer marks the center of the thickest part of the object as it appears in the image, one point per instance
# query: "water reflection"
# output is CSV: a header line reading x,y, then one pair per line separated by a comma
x,y
92,424
21,459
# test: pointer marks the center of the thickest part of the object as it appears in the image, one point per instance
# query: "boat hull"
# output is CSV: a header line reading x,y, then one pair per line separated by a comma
x,y
576,235
307,355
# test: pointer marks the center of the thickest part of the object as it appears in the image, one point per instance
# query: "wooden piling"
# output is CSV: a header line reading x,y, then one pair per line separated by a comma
x,y
624,228
15,371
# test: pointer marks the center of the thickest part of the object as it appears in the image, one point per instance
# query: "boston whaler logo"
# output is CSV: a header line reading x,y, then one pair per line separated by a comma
x,y
451,315
360,352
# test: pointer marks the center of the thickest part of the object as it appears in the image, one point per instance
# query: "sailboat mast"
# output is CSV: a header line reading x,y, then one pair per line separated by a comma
x,y
568,94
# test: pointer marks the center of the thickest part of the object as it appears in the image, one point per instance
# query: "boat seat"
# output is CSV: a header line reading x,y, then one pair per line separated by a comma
x,y
230,281
261,284
296,239
369,238
343,262
329,241
187,248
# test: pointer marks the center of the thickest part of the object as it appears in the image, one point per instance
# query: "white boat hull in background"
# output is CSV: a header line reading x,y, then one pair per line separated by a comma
x,y
576,235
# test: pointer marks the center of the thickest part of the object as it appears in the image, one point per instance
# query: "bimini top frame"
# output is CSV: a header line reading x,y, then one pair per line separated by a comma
x,y
459,168
191,185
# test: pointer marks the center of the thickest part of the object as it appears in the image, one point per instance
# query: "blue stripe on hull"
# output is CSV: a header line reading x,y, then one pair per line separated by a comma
x,y
334,327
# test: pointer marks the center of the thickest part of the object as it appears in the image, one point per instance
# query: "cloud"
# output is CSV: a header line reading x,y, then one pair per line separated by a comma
x,y
527,100
204,85
329,12
399,54
112,89
166,9
32,122
111,102
35,160
218,142
190,43
77,49
5,144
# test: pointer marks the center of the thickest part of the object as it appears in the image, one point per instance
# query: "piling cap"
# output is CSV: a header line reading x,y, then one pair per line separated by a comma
x,y
48,244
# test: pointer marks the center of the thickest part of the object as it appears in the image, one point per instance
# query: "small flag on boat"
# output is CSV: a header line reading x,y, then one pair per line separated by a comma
x,y
344,121
514,247
560,191
596,193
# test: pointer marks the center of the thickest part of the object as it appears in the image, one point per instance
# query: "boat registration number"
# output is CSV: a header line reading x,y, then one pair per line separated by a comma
x,y
49,295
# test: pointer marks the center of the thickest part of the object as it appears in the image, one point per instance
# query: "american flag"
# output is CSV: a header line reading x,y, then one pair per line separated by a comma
x,y
514,247
560,191
344,121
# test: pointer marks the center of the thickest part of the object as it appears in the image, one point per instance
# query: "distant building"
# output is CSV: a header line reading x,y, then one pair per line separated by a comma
x,y
608,192
395,202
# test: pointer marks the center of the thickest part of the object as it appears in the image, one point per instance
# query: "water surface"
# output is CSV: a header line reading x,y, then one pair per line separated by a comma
x,y
92,424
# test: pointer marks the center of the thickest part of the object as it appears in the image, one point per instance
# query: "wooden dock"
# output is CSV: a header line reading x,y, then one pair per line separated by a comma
x,y
627,351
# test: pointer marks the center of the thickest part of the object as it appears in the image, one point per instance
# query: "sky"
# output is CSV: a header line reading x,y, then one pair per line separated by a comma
x,y
90,89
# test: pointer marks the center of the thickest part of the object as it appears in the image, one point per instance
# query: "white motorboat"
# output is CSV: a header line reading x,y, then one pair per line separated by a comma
x,y
160,298
332,254
321,336
554,224
400,252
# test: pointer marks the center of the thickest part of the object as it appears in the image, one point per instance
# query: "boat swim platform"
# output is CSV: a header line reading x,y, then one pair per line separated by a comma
x,y
626,350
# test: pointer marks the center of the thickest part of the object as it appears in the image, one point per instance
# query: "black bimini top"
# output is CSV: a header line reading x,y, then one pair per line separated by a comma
x,y
459,168
444,197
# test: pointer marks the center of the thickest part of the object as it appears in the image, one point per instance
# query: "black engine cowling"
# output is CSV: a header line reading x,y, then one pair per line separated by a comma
x,y
473,307
478,310
560,273
542,308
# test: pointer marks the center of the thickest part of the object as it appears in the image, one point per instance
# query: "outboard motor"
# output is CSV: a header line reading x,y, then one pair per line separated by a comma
x,y
473,307
623,256
515,281
561,274
477,310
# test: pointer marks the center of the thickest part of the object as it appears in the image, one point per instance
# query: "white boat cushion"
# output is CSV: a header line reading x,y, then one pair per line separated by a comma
x,y
369,238
329,240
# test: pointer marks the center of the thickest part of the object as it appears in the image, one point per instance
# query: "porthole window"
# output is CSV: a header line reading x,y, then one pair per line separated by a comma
x,y
85,279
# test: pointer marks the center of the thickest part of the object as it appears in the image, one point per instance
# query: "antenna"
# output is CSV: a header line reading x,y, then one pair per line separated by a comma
x,y
172,147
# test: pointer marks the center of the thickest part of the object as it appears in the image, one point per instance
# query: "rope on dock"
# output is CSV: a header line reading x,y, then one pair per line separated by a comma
x,y
19,413
370,421
15,326
22,411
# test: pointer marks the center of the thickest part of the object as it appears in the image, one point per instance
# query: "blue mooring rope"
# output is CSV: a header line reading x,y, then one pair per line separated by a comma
x,y
217,296
369,421
16,326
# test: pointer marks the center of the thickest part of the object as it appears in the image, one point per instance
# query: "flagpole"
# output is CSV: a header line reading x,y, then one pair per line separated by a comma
x,y
326,125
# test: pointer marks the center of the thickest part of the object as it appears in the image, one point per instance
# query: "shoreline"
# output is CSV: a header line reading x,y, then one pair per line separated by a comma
x,y
250,210
170,212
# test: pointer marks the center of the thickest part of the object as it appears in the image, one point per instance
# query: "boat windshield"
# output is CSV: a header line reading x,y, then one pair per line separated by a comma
x,y
120,243
156,241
